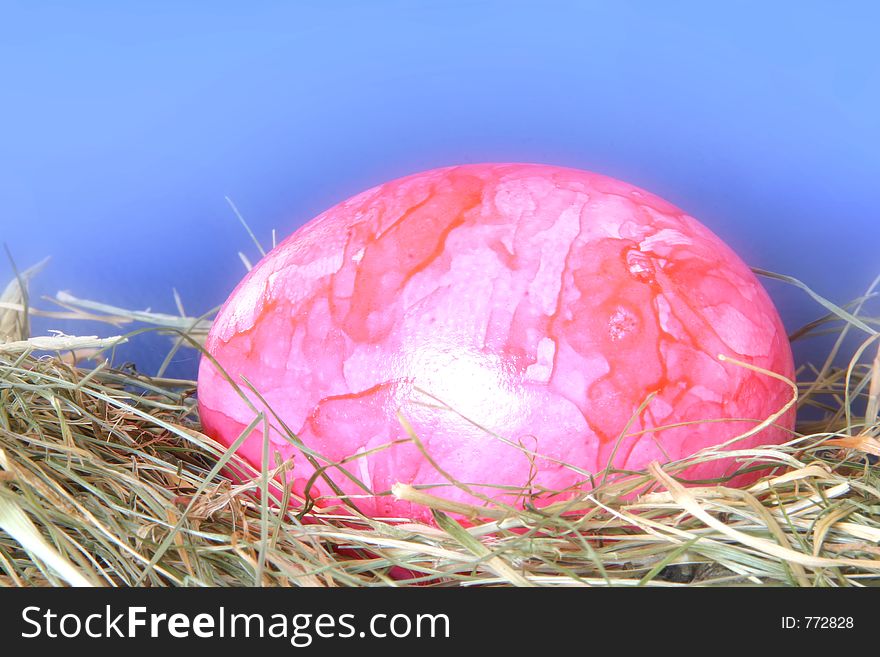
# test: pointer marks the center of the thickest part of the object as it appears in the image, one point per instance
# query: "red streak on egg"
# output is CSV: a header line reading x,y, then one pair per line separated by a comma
x,y
518,316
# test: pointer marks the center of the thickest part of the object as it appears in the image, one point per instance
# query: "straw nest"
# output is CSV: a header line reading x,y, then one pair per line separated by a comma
x,y
106,480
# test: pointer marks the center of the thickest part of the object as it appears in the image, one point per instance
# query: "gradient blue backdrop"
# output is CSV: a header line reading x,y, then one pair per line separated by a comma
x,y
124,125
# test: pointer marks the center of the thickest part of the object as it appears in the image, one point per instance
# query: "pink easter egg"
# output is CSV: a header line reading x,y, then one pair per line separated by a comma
x,y
533,324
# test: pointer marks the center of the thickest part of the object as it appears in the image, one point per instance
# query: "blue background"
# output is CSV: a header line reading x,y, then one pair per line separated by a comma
x,y
124,125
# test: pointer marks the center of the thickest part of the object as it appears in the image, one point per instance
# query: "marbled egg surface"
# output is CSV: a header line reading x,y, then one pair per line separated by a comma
x,y
518,316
